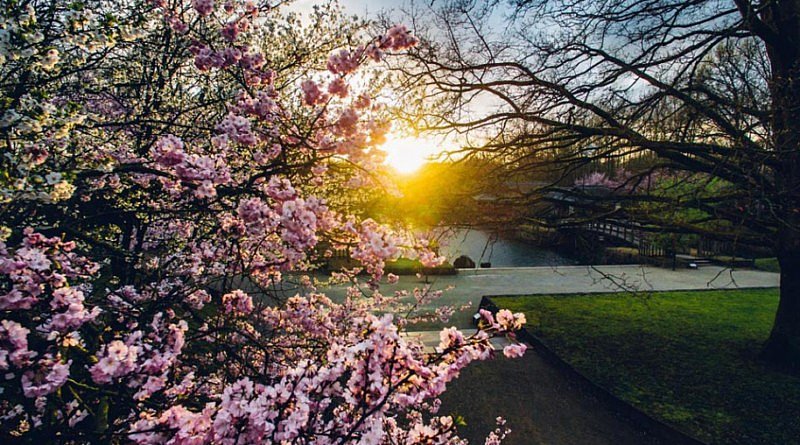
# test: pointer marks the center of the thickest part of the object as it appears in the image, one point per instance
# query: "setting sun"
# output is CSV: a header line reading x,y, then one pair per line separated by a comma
x,y
407,154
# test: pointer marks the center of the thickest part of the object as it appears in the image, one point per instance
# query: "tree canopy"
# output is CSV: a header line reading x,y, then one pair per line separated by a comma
x,y
701,92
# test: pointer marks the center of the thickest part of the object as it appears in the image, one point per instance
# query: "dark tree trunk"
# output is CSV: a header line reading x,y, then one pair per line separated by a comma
x,y
783,346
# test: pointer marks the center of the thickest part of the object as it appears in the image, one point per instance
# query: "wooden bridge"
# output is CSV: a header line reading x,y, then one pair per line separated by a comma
x,y
636,236
628,232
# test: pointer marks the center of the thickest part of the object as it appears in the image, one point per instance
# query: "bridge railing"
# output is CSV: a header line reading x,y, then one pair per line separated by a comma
x,y
626,231
630,232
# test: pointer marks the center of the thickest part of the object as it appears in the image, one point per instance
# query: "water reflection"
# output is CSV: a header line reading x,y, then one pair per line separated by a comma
x,y
483,246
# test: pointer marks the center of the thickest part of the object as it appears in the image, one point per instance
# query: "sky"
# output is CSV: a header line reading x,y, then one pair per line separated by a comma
x,y
406,153
369,6
360,7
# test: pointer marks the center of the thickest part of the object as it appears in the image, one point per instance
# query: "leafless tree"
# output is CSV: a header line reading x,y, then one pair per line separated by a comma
x,y
705,90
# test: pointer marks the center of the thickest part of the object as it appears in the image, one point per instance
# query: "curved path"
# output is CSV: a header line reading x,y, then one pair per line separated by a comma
x,y
470,285
542,403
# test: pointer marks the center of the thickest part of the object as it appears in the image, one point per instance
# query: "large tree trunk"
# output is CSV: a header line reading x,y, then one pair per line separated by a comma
x,y
783,48
783,347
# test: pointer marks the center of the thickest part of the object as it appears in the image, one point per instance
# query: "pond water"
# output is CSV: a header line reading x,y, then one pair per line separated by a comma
x,y
484,246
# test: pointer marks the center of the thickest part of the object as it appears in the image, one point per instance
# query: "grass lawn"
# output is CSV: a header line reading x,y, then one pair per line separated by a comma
x,y
688,358
768,264
405,266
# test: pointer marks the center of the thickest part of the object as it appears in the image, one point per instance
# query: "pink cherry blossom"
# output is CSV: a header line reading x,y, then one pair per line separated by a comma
x,y
237,302
16,336
343,62
206,58
49,375
203,7
509,321
347,121
597,179
115,360
398,38
180,187
338,87
312,95
515,350
168,151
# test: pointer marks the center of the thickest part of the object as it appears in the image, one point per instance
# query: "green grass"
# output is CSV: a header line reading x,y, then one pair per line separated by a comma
x,y
401,266
768,264
688,358
405,266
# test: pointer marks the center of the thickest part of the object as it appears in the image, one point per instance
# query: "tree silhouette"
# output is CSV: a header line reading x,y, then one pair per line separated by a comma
x,y
700,91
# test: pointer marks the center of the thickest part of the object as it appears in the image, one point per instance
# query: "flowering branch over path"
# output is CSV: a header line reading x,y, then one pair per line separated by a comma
x,y
166,164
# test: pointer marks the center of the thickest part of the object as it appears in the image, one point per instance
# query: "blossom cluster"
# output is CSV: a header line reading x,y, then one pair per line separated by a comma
x,y
47,312
148,224
356,390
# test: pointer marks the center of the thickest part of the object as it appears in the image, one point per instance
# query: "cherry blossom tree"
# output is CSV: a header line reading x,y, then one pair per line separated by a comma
x,y
166,167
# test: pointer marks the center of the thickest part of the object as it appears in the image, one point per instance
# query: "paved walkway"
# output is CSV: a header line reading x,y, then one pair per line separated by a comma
x,y
470,285
543,404
431,340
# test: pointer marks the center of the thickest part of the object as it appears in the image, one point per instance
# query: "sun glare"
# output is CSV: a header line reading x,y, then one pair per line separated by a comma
x,y
407,154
